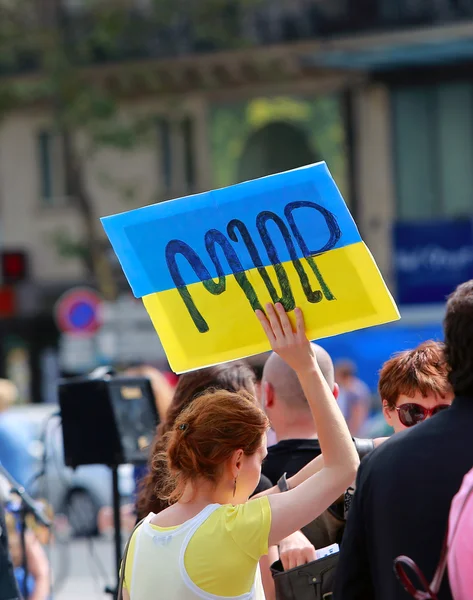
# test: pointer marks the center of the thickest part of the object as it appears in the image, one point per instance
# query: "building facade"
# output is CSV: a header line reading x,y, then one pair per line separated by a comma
x,y
383,94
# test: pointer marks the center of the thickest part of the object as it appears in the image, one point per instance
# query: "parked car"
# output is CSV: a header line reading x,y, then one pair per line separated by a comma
x,y
76,493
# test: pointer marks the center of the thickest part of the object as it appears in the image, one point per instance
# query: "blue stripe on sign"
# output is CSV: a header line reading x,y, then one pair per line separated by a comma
x,y
256,223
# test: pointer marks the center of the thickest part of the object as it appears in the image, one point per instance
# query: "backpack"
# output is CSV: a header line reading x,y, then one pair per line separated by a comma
x,y
315,580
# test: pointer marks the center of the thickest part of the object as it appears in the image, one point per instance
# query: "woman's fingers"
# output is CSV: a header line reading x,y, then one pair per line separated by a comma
x,y
300,323
284,320
277,326
266,326
274,321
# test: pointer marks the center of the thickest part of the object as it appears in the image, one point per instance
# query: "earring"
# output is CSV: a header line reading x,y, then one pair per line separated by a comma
x,y
234,487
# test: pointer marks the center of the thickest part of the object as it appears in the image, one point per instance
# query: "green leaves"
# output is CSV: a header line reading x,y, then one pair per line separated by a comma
x,y
124,134
68,248
80,63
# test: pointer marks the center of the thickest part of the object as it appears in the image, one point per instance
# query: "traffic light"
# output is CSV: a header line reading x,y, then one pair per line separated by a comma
x,y
14,266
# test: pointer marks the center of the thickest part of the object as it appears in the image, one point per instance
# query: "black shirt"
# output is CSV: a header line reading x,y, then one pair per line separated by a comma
x,y
264,484
401,505
289,456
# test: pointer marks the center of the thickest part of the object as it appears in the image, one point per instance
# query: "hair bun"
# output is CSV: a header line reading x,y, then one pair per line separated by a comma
x,y
220,423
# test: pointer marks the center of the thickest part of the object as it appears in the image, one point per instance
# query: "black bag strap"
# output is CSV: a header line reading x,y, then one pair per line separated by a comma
x,y
125,554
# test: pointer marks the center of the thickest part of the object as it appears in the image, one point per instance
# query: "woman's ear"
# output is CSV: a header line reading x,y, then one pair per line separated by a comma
x,y
236,462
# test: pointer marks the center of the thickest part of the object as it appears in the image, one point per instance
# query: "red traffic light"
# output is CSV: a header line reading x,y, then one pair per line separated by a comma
x,y
14,266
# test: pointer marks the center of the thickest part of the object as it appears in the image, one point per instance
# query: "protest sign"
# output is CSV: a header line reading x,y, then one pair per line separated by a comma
x,y
204,263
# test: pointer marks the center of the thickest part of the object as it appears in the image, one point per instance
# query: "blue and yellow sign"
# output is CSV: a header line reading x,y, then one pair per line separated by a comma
x,y
204,263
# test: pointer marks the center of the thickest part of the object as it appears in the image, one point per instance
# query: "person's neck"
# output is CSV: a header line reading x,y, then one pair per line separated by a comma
x,y
296,431
188,507
205,492
194,500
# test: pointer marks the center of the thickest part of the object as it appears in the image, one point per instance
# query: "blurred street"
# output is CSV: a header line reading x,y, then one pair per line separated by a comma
x,y
82,569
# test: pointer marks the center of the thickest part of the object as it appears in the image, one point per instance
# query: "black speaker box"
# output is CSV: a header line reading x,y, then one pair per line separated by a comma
x,y
109,421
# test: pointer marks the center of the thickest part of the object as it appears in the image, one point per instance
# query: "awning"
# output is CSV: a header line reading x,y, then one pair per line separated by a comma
x,y
394,56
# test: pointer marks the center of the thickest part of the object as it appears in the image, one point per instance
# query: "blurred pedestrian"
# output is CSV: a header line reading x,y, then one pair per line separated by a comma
x,y
354,398
163,393
8,584
14,437
38,581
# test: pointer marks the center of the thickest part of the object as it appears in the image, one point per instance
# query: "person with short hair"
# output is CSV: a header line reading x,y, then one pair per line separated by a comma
x,y
296,440
208,543
413,385
297,444
289,414
405,488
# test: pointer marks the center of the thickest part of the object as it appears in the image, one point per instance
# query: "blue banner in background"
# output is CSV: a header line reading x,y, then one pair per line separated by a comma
x,y
431,258
370,348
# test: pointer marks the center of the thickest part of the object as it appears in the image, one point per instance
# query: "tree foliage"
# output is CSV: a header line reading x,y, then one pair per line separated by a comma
x,y
51,54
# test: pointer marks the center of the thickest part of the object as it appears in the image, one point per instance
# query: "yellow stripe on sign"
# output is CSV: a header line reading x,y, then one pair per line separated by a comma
x,y
361,300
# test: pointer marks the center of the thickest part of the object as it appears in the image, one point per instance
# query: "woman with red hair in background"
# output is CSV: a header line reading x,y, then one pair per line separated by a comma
x,y
208,542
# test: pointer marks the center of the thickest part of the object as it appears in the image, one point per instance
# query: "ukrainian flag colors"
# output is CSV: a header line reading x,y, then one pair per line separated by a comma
x,y
202,264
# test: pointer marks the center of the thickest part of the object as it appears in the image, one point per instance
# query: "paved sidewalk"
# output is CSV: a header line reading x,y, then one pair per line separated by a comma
x,y
81,572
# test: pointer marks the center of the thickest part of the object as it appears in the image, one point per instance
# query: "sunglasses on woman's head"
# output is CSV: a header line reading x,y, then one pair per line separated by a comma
x,y
410,414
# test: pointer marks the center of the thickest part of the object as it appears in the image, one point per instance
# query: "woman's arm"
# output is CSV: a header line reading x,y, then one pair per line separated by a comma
x,y
315,465
38,566
314,495
266,576
311,468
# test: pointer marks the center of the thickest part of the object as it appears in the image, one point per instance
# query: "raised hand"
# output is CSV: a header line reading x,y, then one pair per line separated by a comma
x,y
292,346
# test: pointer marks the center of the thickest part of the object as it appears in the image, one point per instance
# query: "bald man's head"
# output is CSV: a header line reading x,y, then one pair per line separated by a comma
x,y
285,382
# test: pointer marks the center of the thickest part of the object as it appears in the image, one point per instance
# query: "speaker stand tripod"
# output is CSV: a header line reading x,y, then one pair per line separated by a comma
x,y
117,532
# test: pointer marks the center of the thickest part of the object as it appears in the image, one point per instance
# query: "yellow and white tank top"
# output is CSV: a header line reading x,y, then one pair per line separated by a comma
x,y
212,556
